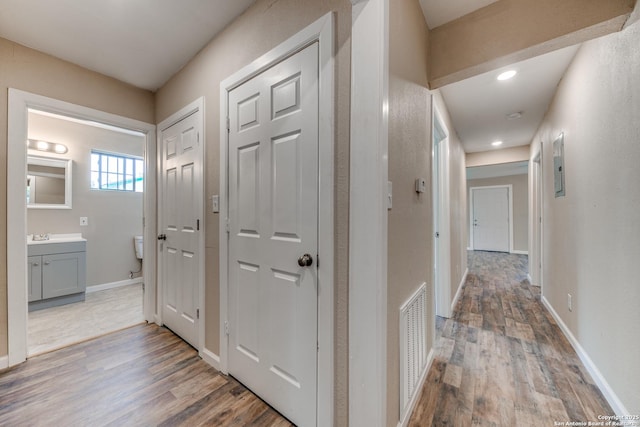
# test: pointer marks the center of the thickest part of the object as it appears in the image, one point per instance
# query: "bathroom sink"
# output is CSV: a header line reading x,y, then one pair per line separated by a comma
x,y
55,238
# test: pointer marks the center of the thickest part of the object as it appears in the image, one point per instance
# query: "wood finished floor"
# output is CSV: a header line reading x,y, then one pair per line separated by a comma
x,y
141,376
501,360
102,312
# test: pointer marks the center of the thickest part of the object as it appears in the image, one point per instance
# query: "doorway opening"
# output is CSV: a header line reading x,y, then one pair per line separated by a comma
x,y
491,218
536,258
504,225
84,274
60,276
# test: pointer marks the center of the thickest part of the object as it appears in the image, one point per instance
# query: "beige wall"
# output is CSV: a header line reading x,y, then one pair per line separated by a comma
x,y
509,31
410,221
26,69
520,188
114,216
410,226
496,157
592,235
262,27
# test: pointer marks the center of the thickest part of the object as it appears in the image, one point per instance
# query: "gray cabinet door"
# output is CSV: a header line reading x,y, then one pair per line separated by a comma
x,y
63,274
35,278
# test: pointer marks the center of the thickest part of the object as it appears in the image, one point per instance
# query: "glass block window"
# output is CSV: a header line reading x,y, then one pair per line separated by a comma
x,y
117,172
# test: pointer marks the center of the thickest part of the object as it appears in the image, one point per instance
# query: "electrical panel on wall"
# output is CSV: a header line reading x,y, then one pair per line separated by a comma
x,y
558,166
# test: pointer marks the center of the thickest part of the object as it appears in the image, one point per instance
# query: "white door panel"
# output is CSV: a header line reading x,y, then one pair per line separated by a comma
x,y
273,212
491,219
181,210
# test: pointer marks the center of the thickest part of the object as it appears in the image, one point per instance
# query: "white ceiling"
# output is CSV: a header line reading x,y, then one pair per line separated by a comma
x,y
145,42
141,42
438,12
479,105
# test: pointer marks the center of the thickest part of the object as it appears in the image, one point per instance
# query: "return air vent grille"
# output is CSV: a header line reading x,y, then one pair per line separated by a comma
x,y
413,349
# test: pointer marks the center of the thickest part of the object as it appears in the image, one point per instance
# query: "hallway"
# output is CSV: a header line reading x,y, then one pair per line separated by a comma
x,y
501,360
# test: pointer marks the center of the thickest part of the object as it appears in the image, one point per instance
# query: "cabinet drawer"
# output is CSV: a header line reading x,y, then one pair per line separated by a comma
x,y
56,248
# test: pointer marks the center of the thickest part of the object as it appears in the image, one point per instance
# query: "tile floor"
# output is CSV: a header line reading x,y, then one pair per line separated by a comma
x,y
102,312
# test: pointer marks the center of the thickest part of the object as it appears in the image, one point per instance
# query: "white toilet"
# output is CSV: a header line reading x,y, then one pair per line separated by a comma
x,y
138,243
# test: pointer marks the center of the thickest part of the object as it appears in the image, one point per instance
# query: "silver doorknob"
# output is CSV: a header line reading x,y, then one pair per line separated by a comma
x,y
305,260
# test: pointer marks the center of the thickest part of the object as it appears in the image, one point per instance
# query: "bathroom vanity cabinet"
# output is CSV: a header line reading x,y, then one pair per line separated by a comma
x,y
57,273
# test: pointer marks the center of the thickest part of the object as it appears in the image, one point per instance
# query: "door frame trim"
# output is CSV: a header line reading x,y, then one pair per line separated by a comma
x,y
321,31
368,214
536,211
509,188
18,104
194,107
441,221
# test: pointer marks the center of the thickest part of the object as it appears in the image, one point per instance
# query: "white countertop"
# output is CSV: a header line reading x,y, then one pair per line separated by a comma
x,y
56,238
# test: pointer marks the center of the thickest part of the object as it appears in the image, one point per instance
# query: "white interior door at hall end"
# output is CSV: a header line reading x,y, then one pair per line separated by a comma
x,y
273,213
180,227
491,219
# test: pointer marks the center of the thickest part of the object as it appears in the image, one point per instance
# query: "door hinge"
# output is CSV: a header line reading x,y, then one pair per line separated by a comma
x,y
228,124
197,313
197,225
226,327
317,261
227,226
198,137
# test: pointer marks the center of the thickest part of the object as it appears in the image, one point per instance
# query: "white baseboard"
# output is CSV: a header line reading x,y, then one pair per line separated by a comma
x,y
404,419
105,286
4,362
211,358
517,252
459,291
595,373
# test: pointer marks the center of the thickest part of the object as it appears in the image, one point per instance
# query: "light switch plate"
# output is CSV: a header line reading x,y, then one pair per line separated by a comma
x,y
84,221
215,203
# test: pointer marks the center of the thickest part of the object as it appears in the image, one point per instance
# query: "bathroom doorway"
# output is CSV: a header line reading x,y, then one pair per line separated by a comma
x,y
112,195
84,230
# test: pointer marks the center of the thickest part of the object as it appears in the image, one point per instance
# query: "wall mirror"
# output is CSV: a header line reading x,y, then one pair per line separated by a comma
x,y
48,183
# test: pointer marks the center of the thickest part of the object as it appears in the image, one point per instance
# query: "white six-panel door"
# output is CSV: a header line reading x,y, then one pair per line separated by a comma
x,y
180,227
273,214
490,219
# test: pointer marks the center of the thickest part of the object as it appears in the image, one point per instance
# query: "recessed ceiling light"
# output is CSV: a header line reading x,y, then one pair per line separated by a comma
x,y
515,115
507,75
496,143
